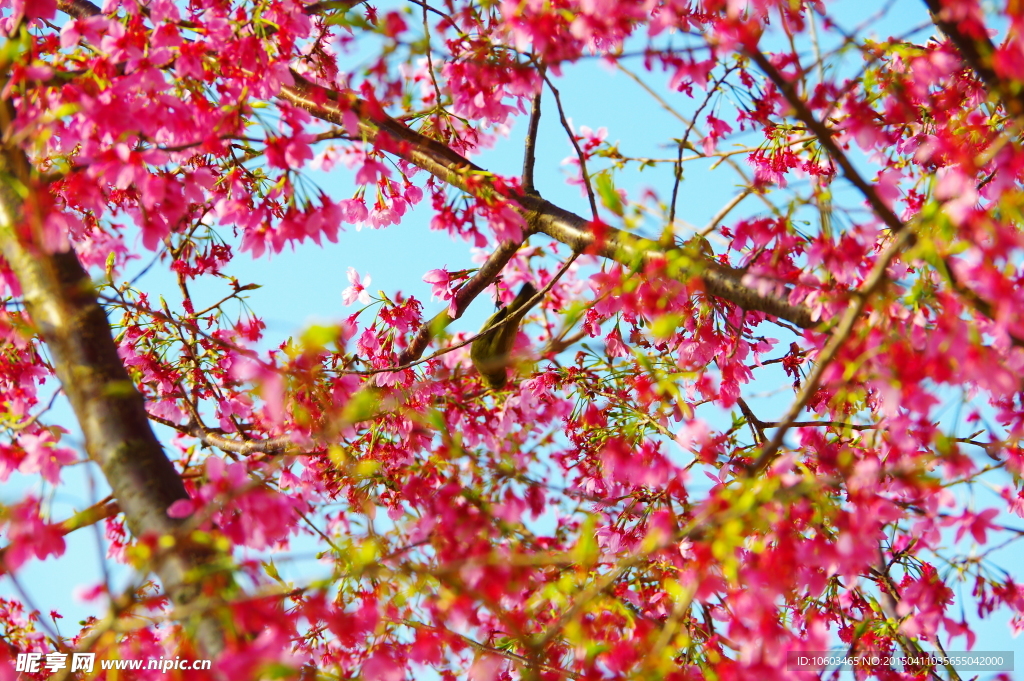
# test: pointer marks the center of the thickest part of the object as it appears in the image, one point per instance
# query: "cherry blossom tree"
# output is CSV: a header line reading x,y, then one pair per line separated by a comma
x,y
623,505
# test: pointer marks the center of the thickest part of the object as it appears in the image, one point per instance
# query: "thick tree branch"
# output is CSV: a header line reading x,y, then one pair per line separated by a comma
x,y
542,215
530,152
79,9
977,51
61,302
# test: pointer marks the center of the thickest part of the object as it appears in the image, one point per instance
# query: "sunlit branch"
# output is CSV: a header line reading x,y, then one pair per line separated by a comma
x,y
543,216
725,210
450,167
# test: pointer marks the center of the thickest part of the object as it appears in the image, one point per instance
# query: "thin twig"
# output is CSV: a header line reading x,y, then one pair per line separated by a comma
x,y
824,135
747,181
725,210
575,145
430,60
684,144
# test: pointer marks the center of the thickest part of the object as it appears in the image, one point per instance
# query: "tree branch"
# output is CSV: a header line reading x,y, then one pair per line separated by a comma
x,y
61,302
978,51
874,282
530,153
450,167
542,215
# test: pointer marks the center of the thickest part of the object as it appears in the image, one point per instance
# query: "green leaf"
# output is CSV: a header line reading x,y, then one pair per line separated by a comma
x,y
609,197
318,337
586,550
364,405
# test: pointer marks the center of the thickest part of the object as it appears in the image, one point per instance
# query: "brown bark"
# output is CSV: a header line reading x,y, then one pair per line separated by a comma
x,y
542,215
61,302
977,51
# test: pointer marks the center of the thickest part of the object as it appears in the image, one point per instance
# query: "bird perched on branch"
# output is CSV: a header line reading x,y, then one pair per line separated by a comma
x,y
491,352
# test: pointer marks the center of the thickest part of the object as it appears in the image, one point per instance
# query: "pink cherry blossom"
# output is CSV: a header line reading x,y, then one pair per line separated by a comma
x,y
357,289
